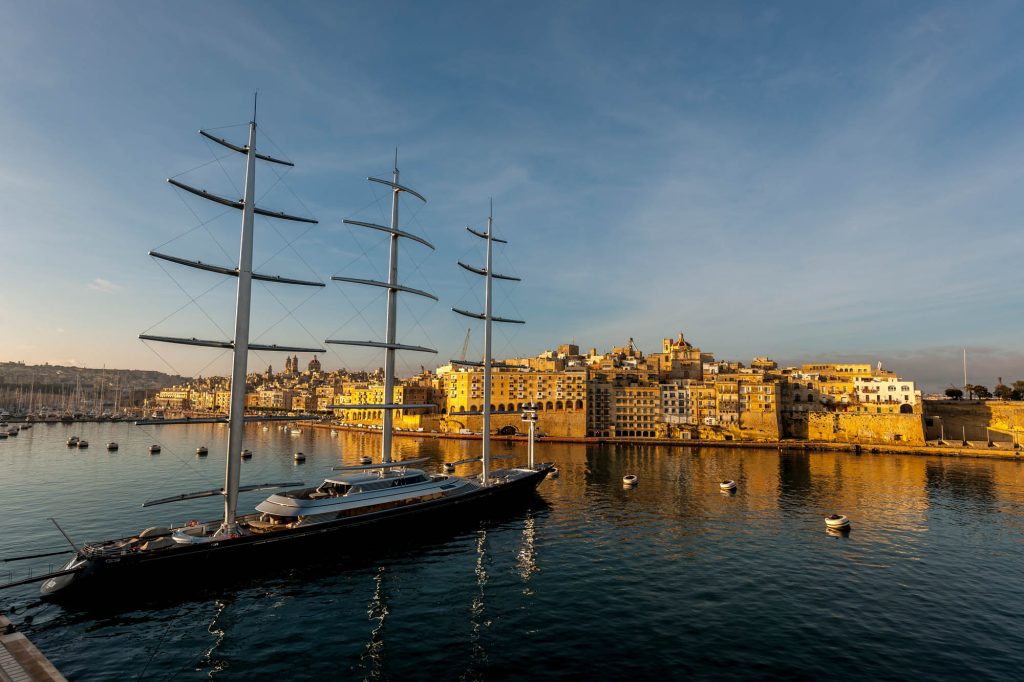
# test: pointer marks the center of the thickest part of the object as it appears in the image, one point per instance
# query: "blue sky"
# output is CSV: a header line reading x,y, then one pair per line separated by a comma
x,y
800,180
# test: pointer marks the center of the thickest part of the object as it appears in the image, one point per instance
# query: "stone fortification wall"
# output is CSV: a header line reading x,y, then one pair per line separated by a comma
x,y
866,429
758,426
956,418
568,423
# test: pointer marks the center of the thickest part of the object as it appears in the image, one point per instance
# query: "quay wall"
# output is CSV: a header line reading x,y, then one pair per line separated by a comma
x,y
865,429
974,419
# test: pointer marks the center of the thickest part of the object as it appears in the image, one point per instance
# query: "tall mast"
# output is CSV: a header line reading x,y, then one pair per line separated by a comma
x,y
389,344
488,318
389,353
243,300
486,454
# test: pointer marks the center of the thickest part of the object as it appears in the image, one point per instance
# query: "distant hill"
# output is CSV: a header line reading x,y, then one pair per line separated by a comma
x,y
81,388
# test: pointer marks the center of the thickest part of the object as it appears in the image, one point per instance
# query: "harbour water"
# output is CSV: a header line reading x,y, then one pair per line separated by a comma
x,y
670,579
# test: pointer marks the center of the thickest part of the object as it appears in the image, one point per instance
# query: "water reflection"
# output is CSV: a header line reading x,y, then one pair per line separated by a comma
x,y
961,481
209,661
795,487
672,573
478,621
526,559
377,613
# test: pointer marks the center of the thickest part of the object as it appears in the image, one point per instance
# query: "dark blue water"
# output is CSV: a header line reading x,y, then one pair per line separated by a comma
x,y
671,579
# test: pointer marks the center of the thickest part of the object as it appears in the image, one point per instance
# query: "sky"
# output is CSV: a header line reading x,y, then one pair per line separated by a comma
x,y
802,180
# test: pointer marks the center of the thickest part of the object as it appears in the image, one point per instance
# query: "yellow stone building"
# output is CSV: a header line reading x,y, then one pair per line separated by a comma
x,y
561,399
373,394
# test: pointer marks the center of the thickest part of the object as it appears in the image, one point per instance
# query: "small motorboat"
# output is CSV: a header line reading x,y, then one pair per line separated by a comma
x,y
12,432
299,458
629,480
334,434
449,468
366,459
3,435
112,446
837,521
83,444
154,449
728,486
73,441
202,451
246,454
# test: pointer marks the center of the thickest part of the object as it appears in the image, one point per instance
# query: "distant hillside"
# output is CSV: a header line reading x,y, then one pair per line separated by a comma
x,y
24,387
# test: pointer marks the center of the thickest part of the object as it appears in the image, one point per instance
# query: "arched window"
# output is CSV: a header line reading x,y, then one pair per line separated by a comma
x,y
579,404
501,407
492,408
558,405
473,408
549,406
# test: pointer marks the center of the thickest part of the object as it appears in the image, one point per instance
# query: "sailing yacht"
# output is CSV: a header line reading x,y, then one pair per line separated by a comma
x,y
359,499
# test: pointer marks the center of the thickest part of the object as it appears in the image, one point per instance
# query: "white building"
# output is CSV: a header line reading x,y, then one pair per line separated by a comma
x,y
886,389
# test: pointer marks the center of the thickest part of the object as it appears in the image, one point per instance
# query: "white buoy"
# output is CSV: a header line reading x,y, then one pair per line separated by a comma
x,y
837,521
365,459
728,486
299,457
112,445
629,480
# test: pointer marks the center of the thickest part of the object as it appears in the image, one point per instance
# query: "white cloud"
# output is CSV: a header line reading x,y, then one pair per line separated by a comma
x,y
103,285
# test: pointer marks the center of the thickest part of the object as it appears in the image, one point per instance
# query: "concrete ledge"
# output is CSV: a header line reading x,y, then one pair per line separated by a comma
x,y
20,660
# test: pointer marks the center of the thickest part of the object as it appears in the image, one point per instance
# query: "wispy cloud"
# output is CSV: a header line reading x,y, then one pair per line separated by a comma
x,y
103,285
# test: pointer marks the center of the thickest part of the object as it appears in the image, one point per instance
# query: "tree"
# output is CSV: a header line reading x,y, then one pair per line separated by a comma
x,y
969,390
954,393
1003,392
982,392
1018,390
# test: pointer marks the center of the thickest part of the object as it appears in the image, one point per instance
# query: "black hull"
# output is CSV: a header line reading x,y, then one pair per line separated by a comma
x,y
141,573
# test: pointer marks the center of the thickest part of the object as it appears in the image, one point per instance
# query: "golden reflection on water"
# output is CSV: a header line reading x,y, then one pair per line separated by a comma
x,y
376,612
889,493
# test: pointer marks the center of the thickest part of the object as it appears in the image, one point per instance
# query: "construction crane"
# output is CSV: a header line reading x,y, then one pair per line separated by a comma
x,y
465,345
